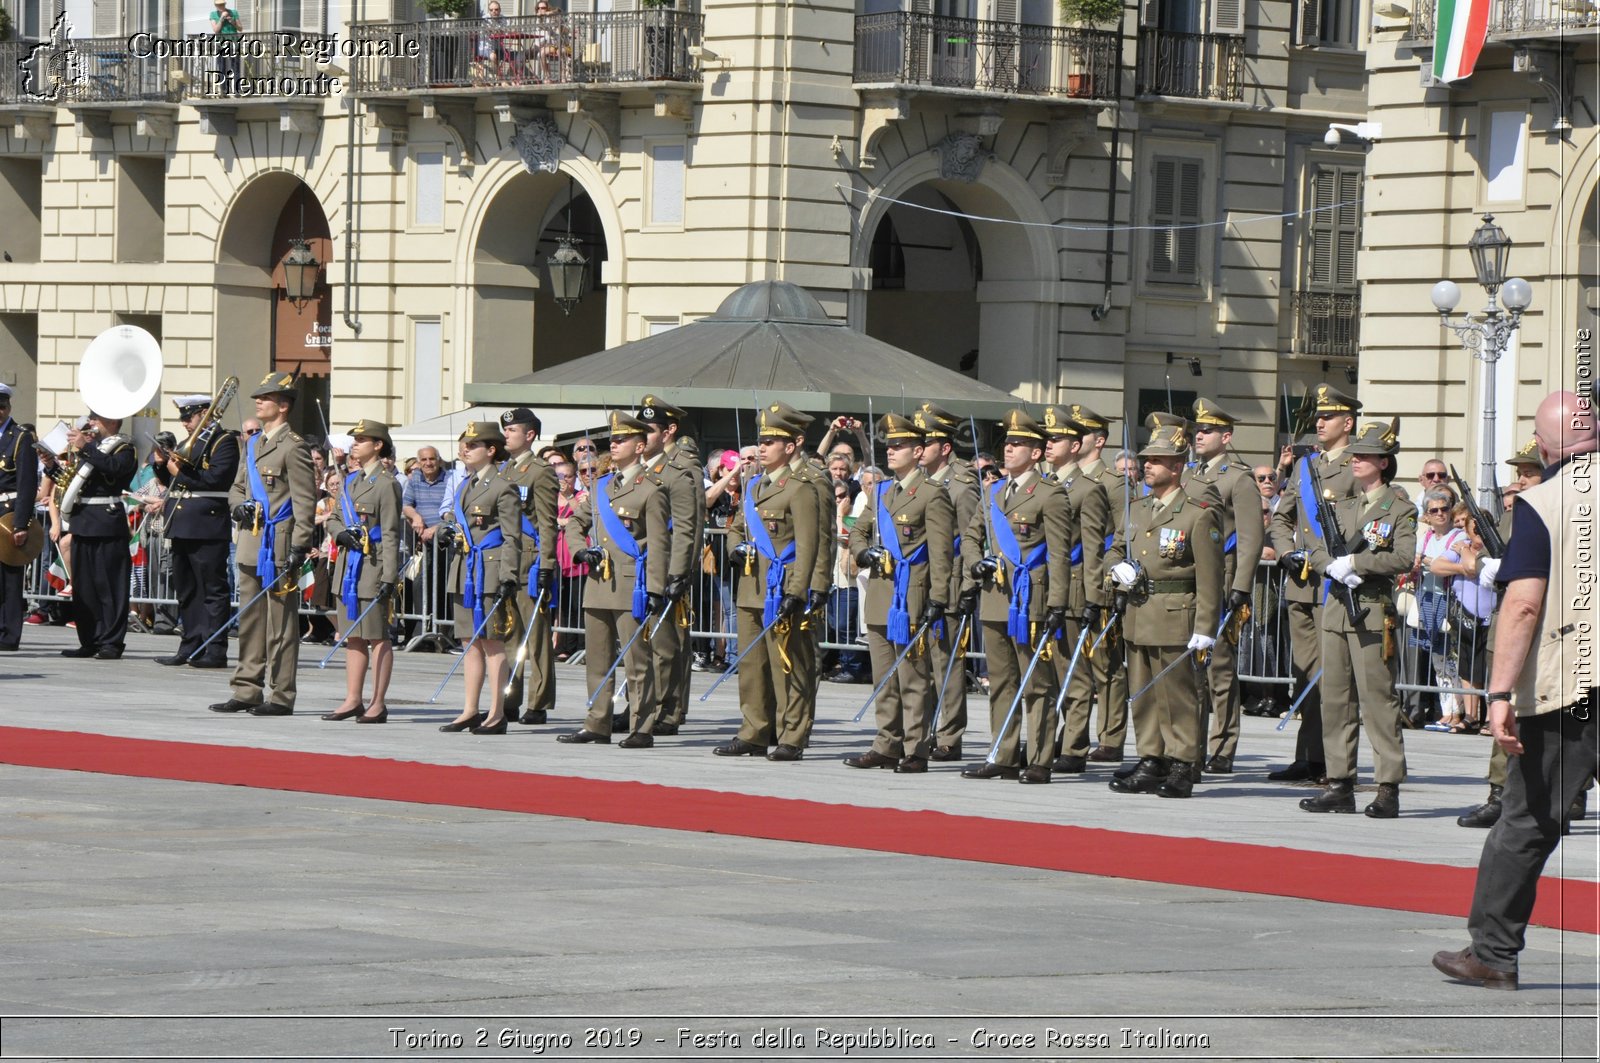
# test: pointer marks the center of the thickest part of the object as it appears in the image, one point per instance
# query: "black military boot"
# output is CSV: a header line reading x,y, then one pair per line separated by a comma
x,y
1340,796
1485,815
1146,778
1179,783
1576,811
1387,804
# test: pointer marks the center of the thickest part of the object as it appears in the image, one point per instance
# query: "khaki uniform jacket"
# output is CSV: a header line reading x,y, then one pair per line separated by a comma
x,y
284,460
922,513
1119,493
1180,542
489,502
1239,507
1291,527
642,507
961,481
376,498
1037,512
536,486
681,479
788,505
1090,511
827,544
1383,545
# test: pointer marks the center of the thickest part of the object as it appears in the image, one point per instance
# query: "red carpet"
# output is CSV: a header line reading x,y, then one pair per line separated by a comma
x,y
1372,882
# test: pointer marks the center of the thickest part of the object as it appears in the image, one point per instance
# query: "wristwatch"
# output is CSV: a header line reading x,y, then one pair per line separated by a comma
x,y
1497,695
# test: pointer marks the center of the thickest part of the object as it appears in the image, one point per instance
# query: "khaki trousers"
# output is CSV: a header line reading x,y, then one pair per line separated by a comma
x,y
1305,649
1034,720
1166,718
953,718
1108,669
772,700
1222,687
1358,688
534,684
1080,689
269,635
605,632
905,705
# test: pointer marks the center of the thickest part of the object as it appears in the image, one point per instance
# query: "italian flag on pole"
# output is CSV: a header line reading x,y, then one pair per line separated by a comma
x,y
1459,29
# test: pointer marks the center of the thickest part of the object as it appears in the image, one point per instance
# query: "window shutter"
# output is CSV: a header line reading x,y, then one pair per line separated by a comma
x,y
1227,16
1175,200
1005,11
1319,268
1335,229
1188,240
107,18
1349,237
1309,34
1150,13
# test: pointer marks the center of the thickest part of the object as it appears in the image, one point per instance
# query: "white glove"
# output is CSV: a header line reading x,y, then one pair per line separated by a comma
x,y
1352,581
1487,573
1199,643
1339,568
1125,574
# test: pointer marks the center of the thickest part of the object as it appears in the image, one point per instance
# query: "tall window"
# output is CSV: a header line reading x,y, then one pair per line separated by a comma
x,y
1335,229
1329,24
1175,201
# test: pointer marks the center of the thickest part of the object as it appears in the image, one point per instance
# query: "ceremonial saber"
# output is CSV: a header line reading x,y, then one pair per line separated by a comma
x,y
1187,654
890,673
522,650
231,620
616,663
1022,688
1295,708
468,648
1077,652
733,666
354,624
662,618
949,669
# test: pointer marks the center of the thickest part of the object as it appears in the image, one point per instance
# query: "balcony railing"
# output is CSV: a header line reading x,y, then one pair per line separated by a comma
x,y
107,71
13,76
915,48
1327,324
1200,66
583,48
275,65
1515,18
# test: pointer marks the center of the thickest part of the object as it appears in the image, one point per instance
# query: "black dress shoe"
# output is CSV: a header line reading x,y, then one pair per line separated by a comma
x,y
911,766
638,740
175,659
344,714
1340,797
1145,778
619,721
785,752
1463,966
664,729
9,647
533,717
583,738
463,725
233,705
990,771
209,662
740,748
1034,774
1386,805
272,710
872,759
81,651
491,728
1221,764
952,752
1299,771
1070,765
108,655
382,717
1179,784
1485,815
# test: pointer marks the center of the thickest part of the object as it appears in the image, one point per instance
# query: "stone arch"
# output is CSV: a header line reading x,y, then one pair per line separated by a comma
x,y
1019,294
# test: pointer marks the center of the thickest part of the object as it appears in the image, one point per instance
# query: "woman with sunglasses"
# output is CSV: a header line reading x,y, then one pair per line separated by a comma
x,y
1439,541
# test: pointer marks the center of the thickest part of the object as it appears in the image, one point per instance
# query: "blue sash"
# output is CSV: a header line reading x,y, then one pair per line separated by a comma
x,y
472,586
532,533
624,539
267,556
1308,490
1021,569
353,562
899,606
777,564
1232,544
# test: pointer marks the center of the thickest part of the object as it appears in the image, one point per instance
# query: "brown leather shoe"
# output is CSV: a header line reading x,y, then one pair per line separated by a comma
x,y
637,740
989,771
1106,755
872,759
946,752
911,766
1034,774
1463,966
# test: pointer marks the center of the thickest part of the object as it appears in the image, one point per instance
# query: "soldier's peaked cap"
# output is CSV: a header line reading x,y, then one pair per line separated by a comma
x,y
894,426
781,419
1166,441
655,410
1058,422
937,421
1528,455
1087,419
372,430
274,383
1330,399
1208,412
1020,425
623,424
1377,437
483,432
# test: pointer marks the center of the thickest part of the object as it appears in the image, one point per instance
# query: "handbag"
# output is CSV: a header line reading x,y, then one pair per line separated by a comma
x,y
708,560
1405,603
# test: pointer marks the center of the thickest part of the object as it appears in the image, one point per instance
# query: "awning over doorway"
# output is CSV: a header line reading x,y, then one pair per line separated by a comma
x,y
768,341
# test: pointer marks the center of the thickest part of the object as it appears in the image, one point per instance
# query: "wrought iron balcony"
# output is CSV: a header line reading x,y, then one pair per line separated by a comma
x,y
13,75
1199,66
105,70
581,48
915,48
278,65
1327,324
1515,19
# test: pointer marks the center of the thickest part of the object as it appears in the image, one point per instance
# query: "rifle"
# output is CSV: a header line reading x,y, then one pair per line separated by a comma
x,y
1335,541
1493,545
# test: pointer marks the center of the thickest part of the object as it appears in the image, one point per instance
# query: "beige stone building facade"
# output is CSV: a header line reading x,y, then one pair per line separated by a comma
x,y
1092,213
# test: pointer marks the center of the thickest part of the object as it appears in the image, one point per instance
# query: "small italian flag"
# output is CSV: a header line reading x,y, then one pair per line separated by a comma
x,y
56,575
1459,29
307,577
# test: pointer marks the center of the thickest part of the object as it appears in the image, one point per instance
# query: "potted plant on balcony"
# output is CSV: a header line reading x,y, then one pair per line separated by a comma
x,y
1085,14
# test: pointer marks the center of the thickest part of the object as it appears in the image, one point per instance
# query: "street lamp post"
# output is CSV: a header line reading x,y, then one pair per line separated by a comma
x,y
1487,336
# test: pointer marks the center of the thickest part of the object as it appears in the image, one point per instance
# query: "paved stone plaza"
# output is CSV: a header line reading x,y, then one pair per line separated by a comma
x,y
148,916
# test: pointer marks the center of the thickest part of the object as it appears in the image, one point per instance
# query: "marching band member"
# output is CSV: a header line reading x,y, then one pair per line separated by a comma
x,y
197,530
485,521
19,483
274,497
365,522
101,565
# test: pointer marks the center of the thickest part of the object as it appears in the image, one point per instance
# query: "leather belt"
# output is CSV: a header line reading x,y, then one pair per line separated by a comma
x,y
1171,586
101,500
184,492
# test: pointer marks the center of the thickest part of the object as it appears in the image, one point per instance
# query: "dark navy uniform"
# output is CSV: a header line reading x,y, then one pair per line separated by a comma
x,y
198,529
19,485
101,565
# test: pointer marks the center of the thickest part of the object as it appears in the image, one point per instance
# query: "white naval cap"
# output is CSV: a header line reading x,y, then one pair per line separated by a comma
x,y
5,392
183,402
